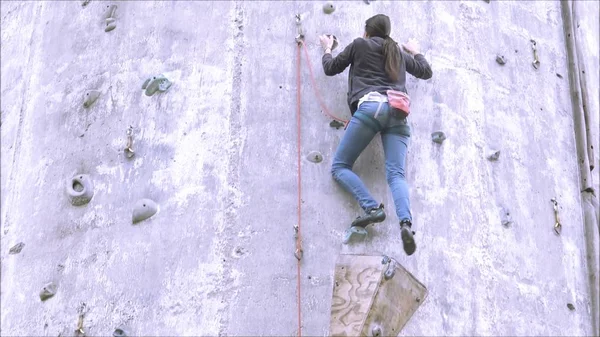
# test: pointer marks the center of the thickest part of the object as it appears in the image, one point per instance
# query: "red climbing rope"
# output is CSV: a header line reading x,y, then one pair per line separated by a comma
x,y
314,85
298,234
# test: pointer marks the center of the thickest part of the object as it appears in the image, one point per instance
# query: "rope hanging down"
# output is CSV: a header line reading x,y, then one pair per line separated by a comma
x,y
297,229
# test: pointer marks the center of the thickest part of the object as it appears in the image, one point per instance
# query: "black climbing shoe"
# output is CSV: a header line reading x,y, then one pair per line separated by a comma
x,y
374,215
407,237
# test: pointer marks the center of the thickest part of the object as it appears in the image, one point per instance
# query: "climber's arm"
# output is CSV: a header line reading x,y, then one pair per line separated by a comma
x,y
335,65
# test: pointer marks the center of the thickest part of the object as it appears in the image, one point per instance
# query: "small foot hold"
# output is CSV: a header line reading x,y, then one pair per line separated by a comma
x,y
500,59
90,97
119,333
143,209
85,3
110,26
354,231
438,137
48,291
156,83
16,249
505,217
336,124
315,157
494,155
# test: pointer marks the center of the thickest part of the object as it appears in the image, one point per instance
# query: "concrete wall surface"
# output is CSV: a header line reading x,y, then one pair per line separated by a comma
x,y
217,152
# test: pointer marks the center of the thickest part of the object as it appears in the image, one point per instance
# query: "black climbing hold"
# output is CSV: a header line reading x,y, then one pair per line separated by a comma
x,y
559,75
143,209
156,83
570,306
85,3
80,189
438,137
328,8
500,59
335,41
90,97
48,291
119,333
16,249
315,157
336,124
505,217
494,155
367,2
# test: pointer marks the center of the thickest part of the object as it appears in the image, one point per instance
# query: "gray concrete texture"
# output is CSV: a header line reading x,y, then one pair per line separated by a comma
x,y
217,153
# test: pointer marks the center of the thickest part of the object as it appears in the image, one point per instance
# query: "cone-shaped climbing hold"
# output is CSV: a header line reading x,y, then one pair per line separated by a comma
x,y
315,157
505,217
119,333
156,83
144,209
494,155
90,97
438,137
500,59
16,249
328,8
48,291
80,189
336,124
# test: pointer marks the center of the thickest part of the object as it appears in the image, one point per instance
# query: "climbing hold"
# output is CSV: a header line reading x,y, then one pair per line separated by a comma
x,y
328,8
438,137
85,3
494,155
354,230
16,249
119,333
505,217
156,83
376,331
559,75
336,124
144,209
315,157
570,306
48,291
90,97
110,20
335,41
500,59
80,189
367,2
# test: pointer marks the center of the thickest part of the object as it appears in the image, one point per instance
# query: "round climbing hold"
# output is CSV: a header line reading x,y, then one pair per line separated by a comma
x,y
144,209
328,8
315,157
438,137
80,189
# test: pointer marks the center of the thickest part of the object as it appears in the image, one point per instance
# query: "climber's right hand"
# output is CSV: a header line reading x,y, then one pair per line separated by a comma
x,y
412,46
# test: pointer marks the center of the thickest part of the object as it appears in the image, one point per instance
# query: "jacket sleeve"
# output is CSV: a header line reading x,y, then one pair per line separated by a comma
x,y
335,65
417,66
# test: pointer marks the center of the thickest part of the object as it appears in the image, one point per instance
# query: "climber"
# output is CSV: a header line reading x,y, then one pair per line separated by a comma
x,y
377,64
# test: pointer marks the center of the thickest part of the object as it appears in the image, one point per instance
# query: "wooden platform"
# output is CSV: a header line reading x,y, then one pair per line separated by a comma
x,y
372,296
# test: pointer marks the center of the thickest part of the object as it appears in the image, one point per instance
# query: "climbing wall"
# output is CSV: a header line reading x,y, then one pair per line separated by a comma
x,y
149,168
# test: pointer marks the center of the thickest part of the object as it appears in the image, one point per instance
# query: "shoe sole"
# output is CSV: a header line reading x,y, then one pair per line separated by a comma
x,y
371,222
408,241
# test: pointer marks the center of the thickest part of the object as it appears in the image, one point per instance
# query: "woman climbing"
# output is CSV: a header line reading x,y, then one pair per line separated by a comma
x,y
377,64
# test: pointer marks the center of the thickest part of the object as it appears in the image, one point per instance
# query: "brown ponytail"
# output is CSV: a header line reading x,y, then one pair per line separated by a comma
x,y
379,25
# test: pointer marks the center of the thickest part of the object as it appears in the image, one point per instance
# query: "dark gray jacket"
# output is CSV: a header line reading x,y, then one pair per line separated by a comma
x,y
367,68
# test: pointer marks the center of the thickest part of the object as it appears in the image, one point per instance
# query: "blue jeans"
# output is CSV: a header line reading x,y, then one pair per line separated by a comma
x,y
370,119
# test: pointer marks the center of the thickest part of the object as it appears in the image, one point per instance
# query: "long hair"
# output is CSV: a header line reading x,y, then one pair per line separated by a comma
x,y
379,25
